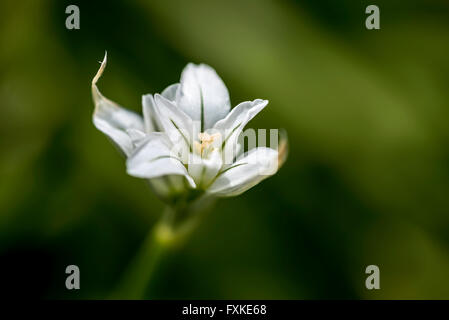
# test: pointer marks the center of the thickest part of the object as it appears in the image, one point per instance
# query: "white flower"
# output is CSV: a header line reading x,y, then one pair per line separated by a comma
x,y
188,138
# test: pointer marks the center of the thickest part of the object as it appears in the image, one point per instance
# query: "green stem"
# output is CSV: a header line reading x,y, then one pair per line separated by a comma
x,y
140,271
175,225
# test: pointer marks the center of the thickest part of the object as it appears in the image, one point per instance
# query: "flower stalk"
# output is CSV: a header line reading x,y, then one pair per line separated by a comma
x,y
171,231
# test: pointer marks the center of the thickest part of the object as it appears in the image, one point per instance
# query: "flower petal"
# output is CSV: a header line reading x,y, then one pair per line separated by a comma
x,y
170,92
230,157
231,126
150,116
136,136
113,120
177,125
249,170
203,171
155,158
203,95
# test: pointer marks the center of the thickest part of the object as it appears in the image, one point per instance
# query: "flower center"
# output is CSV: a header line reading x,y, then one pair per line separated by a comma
x,y
205,146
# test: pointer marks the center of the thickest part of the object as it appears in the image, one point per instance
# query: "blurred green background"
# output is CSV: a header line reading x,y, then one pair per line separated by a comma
x,y
366,182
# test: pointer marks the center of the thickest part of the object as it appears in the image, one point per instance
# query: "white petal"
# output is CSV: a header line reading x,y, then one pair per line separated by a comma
x,y
170,92
113,120
203,95
136,136
231,126
177,125
155,158
228,161
249,170
150,116
203,171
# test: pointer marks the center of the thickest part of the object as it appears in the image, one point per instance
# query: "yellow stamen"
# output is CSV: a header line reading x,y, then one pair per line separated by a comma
x,y
206,141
